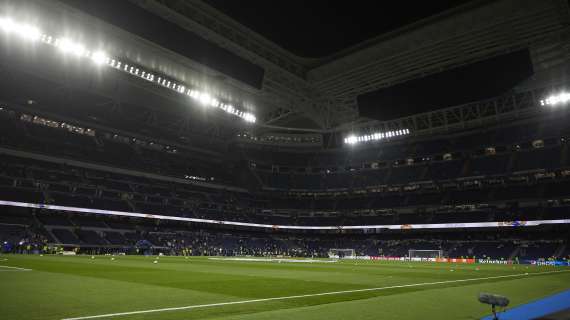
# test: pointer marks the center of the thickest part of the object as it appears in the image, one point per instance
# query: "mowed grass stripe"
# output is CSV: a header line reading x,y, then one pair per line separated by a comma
x,y
110,315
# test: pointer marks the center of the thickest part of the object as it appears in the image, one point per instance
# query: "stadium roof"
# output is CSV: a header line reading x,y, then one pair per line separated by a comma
x,y
322,94
320,28
237,55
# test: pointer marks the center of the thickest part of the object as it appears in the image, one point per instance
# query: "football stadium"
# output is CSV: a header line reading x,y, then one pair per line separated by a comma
x,y
249,159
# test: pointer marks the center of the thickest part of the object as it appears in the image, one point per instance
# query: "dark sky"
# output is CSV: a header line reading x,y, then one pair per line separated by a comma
x,y
317,28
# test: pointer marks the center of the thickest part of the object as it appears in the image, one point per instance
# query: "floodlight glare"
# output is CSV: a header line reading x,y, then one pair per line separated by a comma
x,y
249,117
205,98
29,32
194,93
7,25
352,139
99,57
24,31
555,99
68,46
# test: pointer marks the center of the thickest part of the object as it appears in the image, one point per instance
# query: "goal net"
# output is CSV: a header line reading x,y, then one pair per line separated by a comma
x,y
412,253
342,254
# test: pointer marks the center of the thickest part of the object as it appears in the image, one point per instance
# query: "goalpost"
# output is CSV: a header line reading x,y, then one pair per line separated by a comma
x,y
413,253
342,254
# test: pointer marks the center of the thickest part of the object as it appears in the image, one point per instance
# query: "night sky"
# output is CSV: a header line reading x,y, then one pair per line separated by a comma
x,y
317,28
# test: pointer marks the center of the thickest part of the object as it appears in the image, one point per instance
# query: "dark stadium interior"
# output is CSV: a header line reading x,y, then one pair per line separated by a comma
x,y
213,128
473,82
512,172
322,28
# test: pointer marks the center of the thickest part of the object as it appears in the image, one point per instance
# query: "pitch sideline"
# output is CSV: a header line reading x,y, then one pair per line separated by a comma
x,y
110,315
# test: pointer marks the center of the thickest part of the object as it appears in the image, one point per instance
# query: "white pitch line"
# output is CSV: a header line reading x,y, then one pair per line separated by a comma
x,y
14,269
109,315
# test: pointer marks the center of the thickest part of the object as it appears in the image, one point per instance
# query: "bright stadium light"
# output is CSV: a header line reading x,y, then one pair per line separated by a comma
x,y
29,32
249,117
556,99
194,94
99,57
214,102
71,47
7,25
205,98
377,136
351,140
24,31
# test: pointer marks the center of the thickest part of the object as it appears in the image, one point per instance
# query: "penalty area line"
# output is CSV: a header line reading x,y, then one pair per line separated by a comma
x,y
220,304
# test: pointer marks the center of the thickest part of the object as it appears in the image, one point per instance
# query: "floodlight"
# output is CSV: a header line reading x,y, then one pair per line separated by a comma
x,y
99,57
29,32
205,98
194,94
249,117
25,31
560,98
68,46
376,136
7,24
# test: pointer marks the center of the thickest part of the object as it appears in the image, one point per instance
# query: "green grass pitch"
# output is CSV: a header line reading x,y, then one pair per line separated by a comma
x,y
63,287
